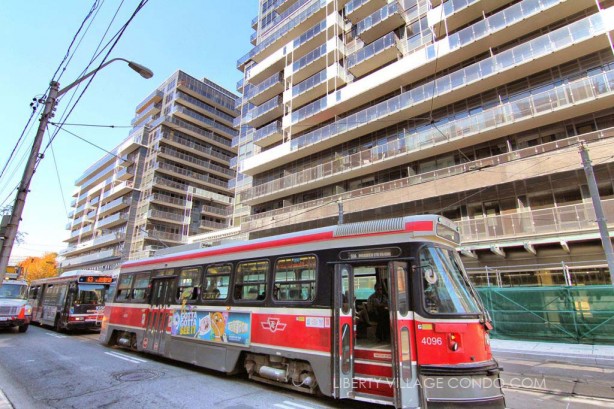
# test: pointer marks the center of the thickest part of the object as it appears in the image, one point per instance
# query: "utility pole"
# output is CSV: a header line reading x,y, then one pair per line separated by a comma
x,y
24,185
54,93
601,220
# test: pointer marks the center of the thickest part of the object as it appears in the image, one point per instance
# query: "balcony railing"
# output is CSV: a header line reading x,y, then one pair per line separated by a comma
x,y
155,96
199,162
369,51
208,122
167,199
91,258
532,223
180,218
191,174
417,139
198,147
206,224
116,218
489,67
205,107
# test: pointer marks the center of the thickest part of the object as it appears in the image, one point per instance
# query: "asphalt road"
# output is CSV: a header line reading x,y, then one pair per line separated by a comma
x,y
43,369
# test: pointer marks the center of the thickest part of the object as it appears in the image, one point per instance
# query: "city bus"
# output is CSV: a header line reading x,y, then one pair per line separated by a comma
x,y
74,300
295,310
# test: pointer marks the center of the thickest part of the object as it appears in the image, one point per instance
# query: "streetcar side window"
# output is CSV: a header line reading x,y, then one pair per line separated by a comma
x,y
189,284
251,280
295,279
124,286
140,290
217,281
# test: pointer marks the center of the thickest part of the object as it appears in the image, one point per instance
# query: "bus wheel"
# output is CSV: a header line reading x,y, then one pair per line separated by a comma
x,y
23,328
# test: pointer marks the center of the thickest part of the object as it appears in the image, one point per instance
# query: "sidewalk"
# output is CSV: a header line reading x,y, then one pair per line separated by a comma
x,y
600,355
557,368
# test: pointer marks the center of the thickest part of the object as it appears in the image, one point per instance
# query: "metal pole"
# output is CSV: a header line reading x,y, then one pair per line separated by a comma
x,y
340,204
24,185
600,218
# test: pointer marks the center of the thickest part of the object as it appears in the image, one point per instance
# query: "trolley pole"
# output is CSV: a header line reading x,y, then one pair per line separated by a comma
x,y
24,185
601,220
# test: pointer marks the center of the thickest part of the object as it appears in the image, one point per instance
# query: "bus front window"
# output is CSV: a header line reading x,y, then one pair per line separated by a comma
x,y
90,294
445,289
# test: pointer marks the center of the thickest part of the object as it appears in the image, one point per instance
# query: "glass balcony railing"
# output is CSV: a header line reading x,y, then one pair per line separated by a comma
x,y
541,46
268,83
207,150
206,107
205,120
376,47
197,130
309,34
191,174
454,6
377,17
309,58
266,107
153,109
353,5
284,29
233,162
208,90
167,199
268,130
118,217
309,83
223,212
529,223
198,162
448,129
309,110
176,217
157,95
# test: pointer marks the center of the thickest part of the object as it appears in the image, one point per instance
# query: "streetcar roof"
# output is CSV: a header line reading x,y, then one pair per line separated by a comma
x,y
414,225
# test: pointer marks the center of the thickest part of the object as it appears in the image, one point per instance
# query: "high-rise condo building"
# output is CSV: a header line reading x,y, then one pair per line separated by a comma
x,y
470,109
167,181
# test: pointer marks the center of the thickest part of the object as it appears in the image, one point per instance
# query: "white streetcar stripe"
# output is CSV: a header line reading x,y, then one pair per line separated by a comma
x,y
126,358
296,405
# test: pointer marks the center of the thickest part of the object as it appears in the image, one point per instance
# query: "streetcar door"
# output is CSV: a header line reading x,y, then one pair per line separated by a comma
x,y
344,331
406,394
162,295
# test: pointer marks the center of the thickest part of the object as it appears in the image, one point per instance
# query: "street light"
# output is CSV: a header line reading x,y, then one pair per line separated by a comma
x,y
54,93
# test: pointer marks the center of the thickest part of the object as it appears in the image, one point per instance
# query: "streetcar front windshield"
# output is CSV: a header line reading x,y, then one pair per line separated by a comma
x,y
445,289
91,294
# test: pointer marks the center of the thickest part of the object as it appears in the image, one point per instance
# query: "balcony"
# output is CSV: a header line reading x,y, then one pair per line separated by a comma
x,y
265,113
309,39
234,162
209,225
522,164
381,22
212,196
275,35
213,94
374,55
119,189
456,13
216,211
317,85
316,60
92,258
556,47
201,150
114,206
145,114
534,225
167,200
168,217
203,108
583,95
100,241
197,132
162,235
204,122
152,98
197,177
283,5
190,160
357,10
113,220
266,90
268,134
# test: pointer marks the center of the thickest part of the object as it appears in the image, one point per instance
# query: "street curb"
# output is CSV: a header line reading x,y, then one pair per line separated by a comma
x,y
4,402
557,385
599,360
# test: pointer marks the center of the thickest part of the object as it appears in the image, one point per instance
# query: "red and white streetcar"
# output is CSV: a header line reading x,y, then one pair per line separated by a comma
x,y
378,311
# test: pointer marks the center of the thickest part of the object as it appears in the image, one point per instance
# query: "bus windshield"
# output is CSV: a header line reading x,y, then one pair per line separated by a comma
x,y
9,290
91,294
445,289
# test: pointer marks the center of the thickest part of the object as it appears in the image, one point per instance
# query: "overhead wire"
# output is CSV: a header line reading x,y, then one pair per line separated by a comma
x,y
57,173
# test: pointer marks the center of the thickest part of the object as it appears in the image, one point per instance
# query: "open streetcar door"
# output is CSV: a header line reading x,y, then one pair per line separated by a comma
x,y
343,340
162,296
406,393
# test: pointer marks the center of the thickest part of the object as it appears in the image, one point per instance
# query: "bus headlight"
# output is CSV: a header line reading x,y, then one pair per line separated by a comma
x,y
27,309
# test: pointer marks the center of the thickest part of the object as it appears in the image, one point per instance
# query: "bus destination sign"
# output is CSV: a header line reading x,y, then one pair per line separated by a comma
x,y
96,279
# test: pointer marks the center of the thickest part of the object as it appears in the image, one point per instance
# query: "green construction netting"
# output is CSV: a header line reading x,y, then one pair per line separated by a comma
x,y
582,315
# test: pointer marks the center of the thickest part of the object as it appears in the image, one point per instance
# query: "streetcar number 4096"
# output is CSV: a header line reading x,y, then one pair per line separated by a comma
x,y
432,341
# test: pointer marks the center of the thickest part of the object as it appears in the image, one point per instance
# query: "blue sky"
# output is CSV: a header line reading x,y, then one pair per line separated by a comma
x,y
204,38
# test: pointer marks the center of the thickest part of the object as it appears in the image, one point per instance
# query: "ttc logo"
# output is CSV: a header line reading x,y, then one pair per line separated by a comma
x,y
273,325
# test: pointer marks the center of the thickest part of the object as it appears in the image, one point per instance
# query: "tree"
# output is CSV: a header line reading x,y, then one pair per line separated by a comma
x,y
40,267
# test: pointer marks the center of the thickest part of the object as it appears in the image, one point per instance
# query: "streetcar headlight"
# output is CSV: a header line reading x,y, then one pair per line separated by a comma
x,y
453,341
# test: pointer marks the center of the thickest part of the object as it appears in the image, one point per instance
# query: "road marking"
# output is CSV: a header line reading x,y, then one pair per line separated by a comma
x,y
56,335
126,357
292,405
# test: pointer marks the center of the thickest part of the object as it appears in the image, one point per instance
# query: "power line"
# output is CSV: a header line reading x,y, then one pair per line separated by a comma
x,y
92,125
86,141
55,162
